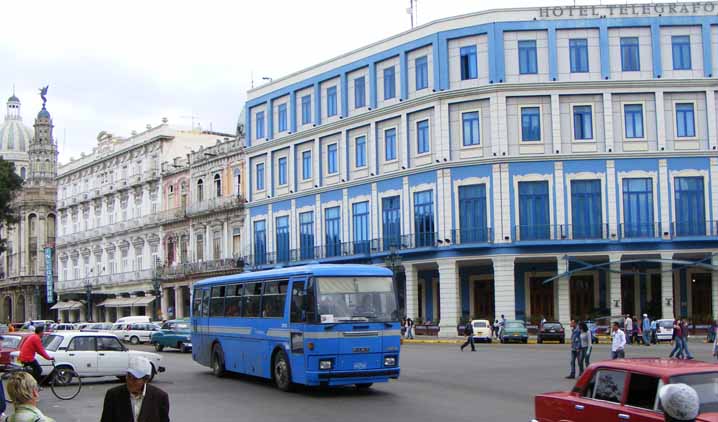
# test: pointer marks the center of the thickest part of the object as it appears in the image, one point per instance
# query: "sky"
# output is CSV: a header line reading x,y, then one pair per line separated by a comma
x,y
119,66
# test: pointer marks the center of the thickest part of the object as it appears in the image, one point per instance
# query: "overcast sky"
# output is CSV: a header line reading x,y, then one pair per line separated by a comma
x,y
118,66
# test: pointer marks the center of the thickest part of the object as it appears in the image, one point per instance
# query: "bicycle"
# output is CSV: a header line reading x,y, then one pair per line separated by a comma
x,y
64,382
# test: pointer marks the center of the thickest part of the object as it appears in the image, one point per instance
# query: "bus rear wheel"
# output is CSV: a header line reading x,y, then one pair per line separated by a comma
x,y
217,362
281,371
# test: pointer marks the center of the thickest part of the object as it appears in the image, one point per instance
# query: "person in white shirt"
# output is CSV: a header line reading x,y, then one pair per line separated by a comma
x,y
619,342
628,326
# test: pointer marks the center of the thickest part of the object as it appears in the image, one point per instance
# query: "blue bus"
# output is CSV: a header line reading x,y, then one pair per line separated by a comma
x,y
328,325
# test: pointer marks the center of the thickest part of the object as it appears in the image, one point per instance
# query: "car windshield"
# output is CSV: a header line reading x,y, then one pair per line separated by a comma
x,y
706,385
182,327
51,343
356,299
550,326
11,342
514,325
665,324
480,324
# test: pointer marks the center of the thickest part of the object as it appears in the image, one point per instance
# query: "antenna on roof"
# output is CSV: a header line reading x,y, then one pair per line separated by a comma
x,y
410,11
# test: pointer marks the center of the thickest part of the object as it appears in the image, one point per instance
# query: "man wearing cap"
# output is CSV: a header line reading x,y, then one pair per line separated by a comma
x,y
136,400
680,402
646,330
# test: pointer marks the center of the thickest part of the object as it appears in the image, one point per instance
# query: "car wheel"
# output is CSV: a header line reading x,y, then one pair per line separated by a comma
x,y
526,341
182,348
134,340
218,362
159,347
282,372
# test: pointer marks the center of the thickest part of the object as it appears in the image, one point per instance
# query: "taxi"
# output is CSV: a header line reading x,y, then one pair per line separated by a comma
x,y
482,330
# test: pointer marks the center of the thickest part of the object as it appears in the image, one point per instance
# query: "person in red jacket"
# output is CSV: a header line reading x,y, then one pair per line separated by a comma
x,y
31,346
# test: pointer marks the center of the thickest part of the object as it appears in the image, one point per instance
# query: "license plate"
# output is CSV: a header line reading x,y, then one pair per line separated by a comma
x,y
360,350
359,365
516,335
552,331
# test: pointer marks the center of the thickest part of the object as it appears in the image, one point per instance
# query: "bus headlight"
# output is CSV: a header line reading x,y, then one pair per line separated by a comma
x,y
390,361
325,365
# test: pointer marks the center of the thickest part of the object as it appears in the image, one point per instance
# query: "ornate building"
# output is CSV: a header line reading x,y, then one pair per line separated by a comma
x,y
31,242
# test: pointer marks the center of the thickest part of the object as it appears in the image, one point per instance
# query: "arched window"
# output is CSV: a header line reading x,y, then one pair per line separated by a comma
x,y
183,195
22,172
217,185
171,195
51,228
200,193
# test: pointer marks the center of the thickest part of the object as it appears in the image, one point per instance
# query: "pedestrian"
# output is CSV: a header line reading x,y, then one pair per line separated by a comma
x,y
502,325
628,326
575,351
469,333
543,321
646,330
586,344
654,326
618,343
712,331
32,347
680,402
636,334
496,328
684,332
715,346
403,327
25,394
136,400
409,328
677,341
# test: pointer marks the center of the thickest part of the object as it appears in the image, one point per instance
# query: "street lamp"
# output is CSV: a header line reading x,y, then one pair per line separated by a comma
x,y
157,287
88,300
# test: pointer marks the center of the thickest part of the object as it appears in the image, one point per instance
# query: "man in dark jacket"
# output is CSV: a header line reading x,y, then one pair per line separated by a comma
x,y
575,350
469,333
137,400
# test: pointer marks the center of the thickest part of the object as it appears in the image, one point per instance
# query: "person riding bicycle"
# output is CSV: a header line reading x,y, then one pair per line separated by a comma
x,y
31,346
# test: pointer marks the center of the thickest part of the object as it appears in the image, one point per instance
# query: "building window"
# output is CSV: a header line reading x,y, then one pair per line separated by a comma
x,y
472,214
582,123
260,176
200,190
690,206
260,242
630,56
528,61
359,92
638,207
681,52
530,124
534,218
391,222
282,117
389,83
470,128
282,171
332,233
685,120
469,68
217,245
217,186
306,235
586,215
22,174
361,227
259,123
578,51
199,243
390,144
238,186
424,234
633,120
332,101
360,151
332,166
306,109
422,137
422,73
306,165
282,239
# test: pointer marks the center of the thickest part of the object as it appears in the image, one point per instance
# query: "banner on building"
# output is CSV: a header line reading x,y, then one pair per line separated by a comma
x,y
48,276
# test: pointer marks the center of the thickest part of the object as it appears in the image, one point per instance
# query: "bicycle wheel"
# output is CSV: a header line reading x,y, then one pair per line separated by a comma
x,y
65,383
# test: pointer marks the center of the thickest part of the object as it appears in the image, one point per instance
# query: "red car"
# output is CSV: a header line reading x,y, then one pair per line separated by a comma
x,y
11,343
627,390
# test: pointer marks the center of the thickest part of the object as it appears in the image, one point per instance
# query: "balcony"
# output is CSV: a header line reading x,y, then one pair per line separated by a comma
x,y
560,232
105,280
197,268
223,203
689,229
171,215
472,236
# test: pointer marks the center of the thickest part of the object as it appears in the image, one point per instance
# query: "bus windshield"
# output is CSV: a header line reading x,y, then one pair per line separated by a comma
x,y
364,299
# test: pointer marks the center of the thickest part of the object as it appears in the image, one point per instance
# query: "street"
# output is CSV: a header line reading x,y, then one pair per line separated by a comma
x,y
497,383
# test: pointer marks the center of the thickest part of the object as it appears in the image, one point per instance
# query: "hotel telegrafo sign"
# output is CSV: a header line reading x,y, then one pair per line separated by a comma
x,y
632,10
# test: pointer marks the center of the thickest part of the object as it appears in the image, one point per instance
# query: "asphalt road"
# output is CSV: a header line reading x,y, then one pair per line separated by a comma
x,y
497,383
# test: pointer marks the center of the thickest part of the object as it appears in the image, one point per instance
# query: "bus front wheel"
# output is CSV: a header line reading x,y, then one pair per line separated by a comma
x,y
281,371
217,362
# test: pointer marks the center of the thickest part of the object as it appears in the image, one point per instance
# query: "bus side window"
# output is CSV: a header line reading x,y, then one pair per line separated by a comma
x,y
217,306
197,302
298,303
233,300
205,302
311,302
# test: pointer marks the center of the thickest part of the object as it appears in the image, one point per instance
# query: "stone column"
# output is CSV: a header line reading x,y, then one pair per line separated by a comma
x,y
614,285
563,304
504,293
133,309
165,302
179,302
667,299
83,314
449,297
412,291
95,313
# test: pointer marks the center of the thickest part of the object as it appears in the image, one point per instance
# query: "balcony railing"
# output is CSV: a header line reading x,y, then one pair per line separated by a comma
x,y
472,236
215,204
171,215
195,268
681,229
105,279
639,230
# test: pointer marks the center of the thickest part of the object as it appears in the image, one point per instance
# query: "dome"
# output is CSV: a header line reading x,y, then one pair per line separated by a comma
x,y
43,114
15,137
13,99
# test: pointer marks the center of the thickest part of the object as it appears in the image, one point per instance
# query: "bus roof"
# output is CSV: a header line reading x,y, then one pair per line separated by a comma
x,y
319,270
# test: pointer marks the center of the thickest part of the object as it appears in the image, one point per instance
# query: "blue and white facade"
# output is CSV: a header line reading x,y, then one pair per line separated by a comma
x,y
494,150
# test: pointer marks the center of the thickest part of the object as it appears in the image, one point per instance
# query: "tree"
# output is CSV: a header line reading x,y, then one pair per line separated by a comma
x,y
10,185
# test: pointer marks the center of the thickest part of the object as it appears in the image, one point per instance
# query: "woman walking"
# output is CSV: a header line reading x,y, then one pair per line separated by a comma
x,y
586,344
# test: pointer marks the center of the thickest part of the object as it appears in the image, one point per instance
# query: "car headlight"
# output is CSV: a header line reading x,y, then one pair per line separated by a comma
x,y
390,361
325,365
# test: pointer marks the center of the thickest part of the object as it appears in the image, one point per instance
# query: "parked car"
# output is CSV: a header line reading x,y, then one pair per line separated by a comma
x,y
118,329
37,322
131,319
514,330
552,331
11,343
92,354
664,330
63,327
627,389
98,326
137,333
174,333
482,330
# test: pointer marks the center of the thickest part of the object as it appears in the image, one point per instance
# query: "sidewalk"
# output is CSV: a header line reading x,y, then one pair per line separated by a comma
x,y
532,340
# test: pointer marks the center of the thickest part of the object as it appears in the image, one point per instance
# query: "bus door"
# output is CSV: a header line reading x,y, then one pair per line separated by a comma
x,y
200,326
298,310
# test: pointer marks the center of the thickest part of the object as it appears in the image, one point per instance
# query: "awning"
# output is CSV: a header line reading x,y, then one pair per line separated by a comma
x,y
143,300
119,302
67,305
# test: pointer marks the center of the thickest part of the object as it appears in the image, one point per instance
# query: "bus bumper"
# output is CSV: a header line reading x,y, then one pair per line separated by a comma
x,y
351,377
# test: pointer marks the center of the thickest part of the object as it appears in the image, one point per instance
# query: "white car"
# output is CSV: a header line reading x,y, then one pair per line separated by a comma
x,y
482,330
137,333
92,354
664,330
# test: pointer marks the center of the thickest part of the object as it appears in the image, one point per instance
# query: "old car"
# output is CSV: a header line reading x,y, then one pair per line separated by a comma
x,y
175,333
11,343
627,389
482,330
514,330
551,331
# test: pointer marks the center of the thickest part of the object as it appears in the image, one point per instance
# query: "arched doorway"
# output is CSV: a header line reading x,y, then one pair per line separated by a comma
x,y
20,313
7,309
